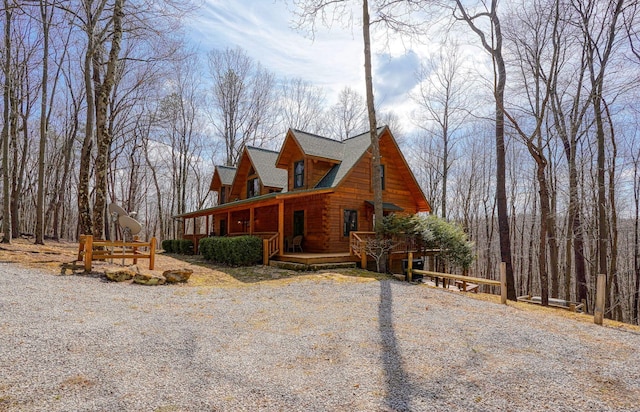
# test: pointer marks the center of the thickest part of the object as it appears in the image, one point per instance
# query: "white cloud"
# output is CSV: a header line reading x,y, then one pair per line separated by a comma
x,y
332,60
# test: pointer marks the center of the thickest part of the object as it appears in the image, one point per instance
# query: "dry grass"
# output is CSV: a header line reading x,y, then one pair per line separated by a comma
x,y
60,258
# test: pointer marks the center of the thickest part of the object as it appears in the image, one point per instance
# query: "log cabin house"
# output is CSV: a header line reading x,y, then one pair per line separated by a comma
x,y
315,187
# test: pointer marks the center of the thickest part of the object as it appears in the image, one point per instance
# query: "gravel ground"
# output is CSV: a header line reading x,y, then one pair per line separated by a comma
x,y
79,343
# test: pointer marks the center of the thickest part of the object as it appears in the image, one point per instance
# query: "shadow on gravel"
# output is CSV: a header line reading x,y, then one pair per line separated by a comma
x,y
397,396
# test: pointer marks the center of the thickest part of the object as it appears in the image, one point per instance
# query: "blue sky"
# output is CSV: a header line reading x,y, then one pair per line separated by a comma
x,y
333,59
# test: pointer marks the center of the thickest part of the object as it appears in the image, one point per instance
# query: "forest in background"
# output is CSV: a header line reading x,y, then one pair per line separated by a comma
x,y
104,101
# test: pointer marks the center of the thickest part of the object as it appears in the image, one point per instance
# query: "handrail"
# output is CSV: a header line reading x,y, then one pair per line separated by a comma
x,y
273,244
356,242
270,247
402,244
263,235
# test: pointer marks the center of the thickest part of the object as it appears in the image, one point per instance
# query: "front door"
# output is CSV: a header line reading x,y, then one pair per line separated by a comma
x,y
223,227
298,222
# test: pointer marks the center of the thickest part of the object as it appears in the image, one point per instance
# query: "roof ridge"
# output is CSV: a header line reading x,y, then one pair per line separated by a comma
x,y
363,133
264,149
316,135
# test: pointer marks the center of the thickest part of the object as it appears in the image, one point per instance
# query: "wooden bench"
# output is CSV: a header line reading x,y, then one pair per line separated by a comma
x,y
467,287
90,250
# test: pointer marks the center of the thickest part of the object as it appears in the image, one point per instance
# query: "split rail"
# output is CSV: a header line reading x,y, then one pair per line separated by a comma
x,y
90,250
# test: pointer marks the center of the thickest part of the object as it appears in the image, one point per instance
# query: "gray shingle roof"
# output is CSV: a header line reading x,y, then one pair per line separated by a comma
x,y
314,145
226,173
352,150
264,161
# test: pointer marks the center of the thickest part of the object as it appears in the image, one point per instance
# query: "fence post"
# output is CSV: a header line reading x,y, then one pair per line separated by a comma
x,y
152,253
88,252
598,312
503,283
265,252
410,267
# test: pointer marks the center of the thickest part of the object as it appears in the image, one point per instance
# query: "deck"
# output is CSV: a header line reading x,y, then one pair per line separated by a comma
x,y
316,258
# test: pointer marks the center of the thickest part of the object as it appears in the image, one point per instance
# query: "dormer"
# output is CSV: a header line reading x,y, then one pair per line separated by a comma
x,y
256,174
221,182
307,158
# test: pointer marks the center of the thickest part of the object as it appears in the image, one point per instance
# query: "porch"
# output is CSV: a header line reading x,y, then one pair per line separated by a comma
x,y
358,252
315,258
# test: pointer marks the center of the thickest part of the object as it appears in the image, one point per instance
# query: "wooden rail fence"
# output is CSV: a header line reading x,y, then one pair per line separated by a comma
x,y
90,250
502,283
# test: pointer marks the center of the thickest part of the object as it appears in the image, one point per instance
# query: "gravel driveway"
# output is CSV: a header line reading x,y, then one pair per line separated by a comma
x,y
76,343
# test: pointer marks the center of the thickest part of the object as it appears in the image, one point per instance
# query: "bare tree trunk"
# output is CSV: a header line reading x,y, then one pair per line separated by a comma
x,y
636,237
544,227
375,143
85,222
614,286
6,203
567,128
500,72
19,161
597,57
46,22
103,136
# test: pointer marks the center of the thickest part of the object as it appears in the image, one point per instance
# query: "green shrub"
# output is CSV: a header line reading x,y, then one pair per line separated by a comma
x,y
449,237
182,246
186,246
233,251
206,247
167,245
175,245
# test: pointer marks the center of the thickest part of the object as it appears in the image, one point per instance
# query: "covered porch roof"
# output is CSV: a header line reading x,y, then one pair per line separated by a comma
x,y
258,201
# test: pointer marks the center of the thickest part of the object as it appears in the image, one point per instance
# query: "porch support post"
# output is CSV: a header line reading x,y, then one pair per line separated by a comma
x,y
194,239
251,228
228,222
281,227
208,229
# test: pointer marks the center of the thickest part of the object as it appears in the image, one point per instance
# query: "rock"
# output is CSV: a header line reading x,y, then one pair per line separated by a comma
x,y
148,279
177,275
119,274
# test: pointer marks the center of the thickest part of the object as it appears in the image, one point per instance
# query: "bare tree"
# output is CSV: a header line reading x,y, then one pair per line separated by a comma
x,y
302,105
635,156
6,205
538,55
600,29
493,46
569,107
444,97
243,93
46,15
348,117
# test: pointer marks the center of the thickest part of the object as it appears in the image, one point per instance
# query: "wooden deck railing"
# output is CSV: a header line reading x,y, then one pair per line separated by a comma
x,y
358,243
270,247
402,244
